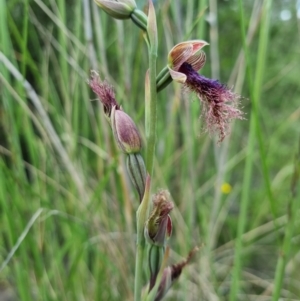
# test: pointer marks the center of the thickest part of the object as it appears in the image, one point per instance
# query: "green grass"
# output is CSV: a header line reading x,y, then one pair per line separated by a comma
x,y
67,209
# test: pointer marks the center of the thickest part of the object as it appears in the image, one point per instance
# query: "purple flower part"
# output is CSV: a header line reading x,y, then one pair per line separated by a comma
x,y
220,104
125,132
104,91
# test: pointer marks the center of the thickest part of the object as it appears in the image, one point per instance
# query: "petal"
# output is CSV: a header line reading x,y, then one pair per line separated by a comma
x,y
177,76
197,61
198,44
179,54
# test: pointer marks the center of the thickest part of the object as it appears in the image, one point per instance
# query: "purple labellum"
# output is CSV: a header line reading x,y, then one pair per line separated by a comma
x,y
219,103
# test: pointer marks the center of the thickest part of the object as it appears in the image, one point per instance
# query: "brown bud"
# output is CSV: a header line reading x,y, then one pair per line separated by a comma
x,y
125,132
159,225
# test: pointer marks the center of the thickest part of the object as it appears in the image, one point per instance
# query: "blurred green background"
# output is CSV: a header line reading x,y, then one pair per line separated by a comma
x,y
67,207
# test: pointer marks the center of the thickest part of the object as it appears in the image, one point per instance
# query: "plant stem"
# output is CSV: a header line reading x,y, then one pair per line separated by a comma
x,y
141,217
150,124
251,143
286,247
142,213
243,211
139,259
293,207
151,89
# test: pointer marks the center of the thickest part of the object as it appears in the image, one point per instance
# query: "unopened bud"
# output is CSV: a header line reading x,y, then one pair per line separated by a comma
x,y
120,9
125,132
159,225
137,172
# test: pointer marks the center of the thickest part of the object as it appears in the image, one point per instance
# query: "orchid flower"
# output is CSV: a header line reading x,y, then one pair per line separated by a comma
x,y
220,104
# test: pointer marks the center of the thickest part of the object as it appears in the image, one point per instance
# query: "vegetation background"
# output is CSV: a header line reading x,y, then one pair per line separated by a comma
x,y
67,208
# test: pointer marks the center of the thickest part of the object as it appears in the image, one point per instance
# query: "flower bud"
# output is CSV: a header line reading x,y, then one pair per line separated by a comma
x,y
120,9
125,132
137,172
159,225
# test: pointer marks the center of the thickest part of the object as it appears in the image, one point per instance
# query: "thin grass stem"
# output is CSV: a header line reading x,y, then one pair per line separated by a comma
x,y
246,192
292,210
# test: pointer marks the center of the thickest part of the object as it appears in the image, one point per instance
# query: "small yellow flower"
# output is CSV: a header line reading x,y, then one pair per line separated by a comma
x,y
226,188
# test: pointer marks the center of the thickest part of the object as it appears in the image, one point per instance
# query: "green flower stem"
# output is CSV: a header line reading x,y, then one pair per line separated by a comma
x,y
151,93
143,210
150,123
141,216
151,114
140,251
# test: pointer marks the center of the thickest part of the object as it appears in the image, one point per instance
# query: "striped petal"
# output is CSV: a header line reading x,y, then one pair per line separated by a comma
x,y
179,54
182,52
197,61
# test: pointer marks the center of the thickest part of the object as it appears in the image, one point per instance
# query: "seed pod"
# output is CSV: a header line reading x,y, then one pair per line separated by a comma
x,y
137,172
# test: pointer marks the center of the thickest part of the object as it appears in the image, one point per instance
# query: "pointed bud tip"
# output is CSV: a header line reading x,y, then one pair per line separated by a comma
x,y
152,27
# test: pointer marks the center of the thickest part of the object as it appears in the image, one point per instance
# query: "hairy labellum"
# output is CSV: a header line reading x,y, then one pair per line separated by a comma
x,y
220,104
